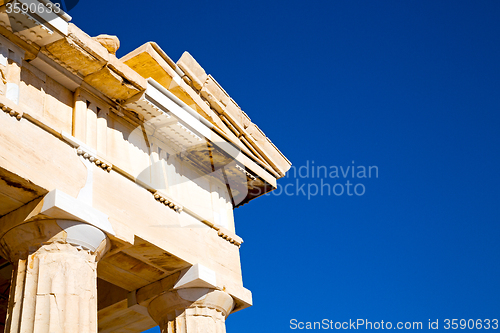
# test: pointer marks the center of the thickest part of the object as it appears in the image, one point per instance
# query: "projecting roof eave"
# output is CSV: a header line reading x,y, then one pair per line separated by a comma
x,y
188,82
167,119
75,59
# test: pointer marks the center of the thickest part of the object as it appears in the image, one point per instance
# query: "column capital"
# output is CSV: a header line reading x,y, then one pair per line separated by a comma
x,y
27,238
53,285
191,303
55,218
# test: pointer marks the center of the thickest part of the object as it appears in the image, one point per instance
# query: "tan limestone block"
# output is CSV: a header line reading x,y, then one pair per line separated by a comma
x,y
274,156
56,206
197,276
117,80
111,43
151,62
238,123
246,120
32,91
181,91
219,94
149,67
15,191
78,51
57,164
236,115
87,43
231,120
72,54
204,109
145,294
58,106
193,70
215,95
200,105
13,72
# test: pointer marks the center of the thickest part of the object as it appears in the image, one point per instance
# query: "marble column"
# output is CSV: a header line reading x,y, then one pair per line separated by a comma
x,y
191,310
54,282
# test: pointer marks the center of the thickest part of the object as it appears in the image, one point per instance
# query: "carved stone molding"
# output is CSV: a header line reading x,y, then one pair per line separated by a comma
x,y
229,236
7,109
162,198
106,166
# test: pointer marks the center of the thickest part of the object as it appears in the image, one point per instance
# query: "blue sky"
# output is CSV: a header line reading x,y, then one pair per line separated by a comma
x,y
412,87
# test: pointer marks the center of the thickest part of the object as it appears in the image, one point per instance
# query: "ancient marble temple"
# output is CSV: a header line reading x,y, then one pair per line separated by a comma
x,y
118,181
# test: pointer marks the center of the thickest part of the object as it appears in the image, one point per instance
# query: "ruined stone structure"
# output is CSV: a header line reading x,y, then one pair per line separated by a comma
x,y
118,180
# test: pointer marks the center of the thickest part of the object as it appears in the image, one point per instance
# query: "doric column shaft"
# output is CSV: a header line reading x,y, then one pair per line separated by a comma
x,y
191,310
54,283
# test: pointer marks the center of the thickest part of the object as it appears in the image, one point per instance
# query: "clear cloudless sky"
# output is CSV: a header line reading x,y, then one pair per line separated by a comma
x,y
412,87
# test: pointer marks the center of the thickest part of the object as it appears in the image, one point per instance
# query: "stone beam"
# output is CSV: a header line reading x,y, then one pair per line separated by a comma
x,y
55,205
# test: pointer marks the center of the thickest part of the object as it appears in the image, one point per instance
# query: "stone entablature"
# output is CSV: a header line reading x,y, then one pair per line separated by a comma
x,y
151,153
77,61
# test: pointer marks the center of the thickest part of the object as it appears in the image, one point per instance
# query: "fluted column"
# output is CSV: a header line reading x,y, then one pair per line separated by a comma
x,y
54,283
191,310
